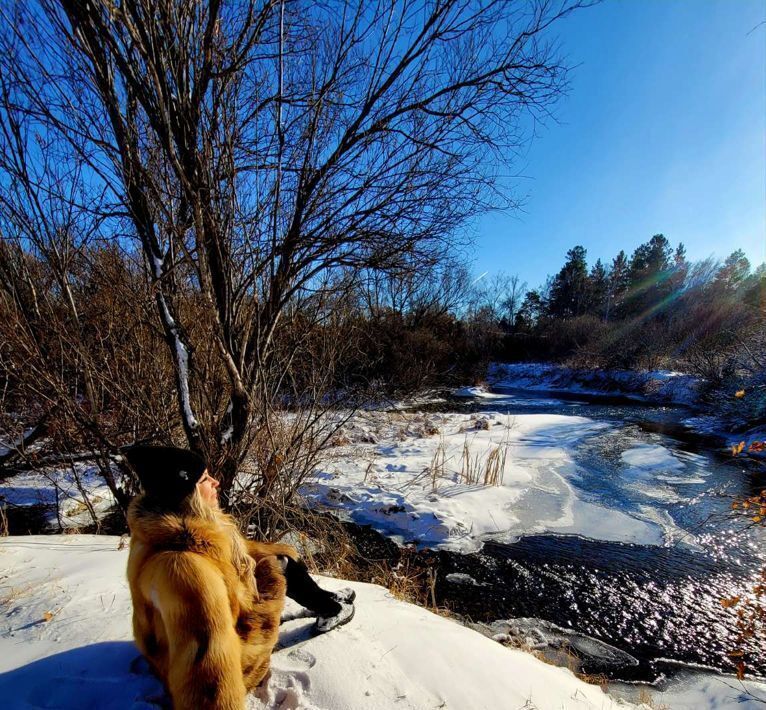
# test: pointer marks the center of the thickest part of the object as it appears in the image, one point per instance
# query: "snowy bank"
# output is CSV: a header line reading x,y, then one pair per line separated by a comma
x,y
472,392
66,643
451,481
661,386
59,494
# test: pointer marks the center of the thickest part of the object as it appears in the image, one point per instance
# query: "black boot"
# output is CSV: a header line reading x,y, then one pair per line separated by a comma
x,y
332,609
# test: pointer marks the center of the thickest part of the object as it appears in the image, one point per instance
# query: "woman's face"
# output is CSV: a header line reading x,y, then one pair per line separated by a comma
x,y
208,489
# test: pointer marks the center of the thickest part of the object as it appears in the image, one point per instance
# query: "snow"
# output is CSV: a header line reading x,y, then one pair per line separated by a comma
x,y
695,690
650,385
182,362
462,578
655,470
480,392
407,478
649,457
556,643
60,487
392,654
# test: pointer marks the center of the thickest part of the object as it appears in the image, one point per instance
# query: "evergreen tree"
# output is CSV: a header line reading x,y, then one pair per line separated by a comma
x,y
531,310
650,272
733,273
650,259
570,287
598,289
618,284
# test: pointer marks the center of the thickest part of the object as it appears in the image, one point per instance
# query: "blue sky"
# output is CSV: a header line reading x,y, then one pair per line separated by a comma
x,y
664,130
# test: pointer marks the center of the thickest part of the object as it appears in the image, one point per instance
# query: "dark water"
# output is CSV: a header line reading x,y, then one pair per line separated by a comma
x,y
658,603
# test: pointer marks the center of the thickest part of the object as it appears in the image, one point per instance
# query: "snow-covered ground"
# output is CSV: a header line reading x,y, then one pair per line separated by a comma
x,y
66,643
655,385
447,480
477,391
423,478
62,489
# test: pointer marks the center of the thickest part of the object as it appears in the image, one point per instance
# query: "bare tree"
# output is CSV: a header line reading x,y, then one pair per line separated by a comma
x,y
416,289
514,294
251,150
498,296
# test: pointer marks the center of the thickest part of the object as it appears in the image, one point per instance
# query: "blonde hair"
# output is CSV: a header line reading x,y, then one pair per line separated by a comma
x,y
244,564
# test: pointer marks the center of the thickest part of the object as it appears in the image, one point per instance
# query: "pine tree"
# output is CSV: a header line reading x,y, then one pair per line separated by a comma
x,y
733,273
598,288
531,310
569,290
650,271
618,283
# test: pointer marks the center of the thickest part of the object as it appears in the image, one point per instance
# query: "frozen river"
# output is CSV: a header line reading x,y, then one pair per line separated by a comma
x,y
658,603
611,533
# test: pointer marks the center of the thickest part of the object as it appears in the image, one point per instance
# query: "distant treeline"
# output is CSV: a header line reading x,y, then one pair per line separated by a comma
x,y
652,309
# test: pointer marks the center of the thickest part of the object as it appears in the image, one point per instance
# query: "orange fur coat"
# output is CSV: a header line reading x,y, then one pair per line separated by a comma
x,y
207,634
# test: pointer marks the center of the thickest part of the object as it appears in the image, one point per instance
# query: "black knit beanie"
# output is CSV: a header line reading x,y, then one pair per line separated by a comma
x,y
167,474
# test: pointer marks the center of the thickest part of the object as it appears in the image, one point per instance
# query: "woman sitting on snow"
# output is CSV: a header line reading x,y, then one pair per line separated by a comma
x,y
206,601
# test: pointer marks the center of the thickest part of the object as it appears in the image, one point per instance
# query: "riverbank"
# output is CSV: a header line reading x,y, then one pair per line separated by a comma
x,y
653,386
722,422
602,523
66,642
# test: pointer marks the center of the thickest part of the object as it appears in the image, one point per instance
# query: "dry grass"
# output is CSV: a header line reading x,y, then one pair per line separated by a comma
x,y
430,429
566,659
409,578
322,541
478,470
598,679
646,698
494,469
403,581
410,583
470,470
368,470
437,469
13,594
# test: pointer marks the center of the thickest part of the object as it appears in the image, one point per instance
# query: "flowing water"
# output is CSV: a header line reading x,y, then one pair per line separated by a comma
x,y
625,610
